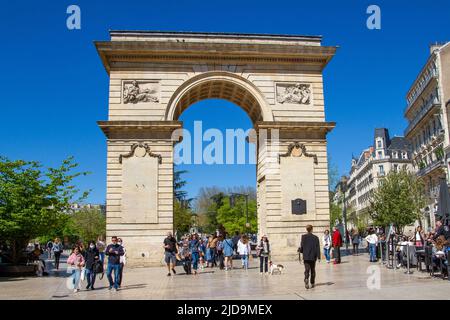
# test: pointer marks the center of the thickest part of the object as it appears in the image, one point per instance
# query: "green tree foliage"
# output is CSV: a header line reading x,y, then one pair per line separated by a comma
x,y
86,224
234,219
398,199
33,200
335,213
182,211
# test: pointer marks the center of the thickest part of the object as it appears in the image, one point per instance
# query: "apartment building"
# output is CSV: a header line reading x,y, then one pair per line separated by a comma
x,y
372,164
428,124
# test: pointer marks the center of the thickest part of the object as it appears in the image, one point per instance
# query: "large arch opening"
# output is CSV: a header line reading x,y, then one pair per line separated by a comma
x,y
226,106
220,85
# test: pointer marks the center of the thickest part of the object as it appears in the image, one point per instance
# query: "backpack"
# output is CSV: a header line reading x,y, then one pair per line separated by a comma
x,y
98,267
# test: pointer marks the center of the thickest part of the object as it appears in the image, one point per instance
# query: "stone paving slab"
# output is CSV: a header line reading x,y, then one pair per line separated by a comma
x,y
345,281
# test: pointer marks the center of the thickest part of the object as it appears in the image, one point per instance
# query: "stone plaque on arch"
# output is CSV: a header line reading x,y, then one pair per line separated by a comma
x,y
139,185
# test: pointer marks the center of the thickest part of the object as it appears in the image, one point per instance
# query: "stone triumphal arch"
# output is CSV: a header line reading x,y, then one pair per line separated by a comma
x,y
155,76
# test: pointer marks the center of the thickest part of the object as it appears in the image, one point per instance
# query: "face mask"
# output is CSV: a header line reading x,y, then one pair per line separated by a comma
x,y
119,243
92,246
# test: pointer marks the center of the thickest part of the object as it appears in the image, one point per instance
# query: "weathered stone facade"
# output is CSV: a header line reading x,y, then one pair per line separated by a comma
x,y
155,76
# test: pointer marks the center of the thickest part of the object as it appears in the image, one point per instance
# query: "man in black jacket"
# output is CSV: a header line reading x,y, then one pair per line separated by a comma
x,y
310,248
114,251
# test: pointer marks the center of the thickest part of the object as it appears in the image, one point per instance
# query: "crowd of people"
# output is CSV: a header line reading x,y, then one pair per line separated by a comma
x,y
195,251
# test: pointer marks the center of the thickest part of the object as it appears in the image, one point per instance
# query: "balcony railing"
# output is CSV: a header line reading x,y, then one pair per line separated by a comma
x,y
430,167
433,74
427,107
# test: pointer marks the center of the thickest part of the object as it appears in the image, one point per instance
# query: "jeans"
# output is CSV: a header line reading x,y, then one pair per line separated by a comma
x,y
195,258
337,254
76,275
355,248
57,255
373,252
101,256
326,253
221,259
109,270
120,273
90,276
310,268
263,261
244,259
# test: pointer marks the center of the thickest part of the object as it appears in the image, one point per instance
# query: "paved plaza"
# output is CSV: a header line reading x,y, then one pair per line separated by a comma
x,y
345,281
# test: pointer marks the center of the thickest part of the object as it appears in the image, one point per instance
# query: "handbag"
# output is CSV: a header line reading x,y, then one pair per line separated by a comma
x,y
83,274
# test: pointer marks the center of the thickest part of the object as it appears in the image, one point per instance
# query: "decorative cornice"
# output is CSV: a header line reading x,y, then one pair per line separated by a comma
x,y
298,145
213,50
147,150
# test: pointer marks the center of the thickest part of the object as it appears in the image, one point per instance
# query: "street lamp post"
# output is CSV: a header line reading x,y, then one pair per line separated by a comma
x,y
344,209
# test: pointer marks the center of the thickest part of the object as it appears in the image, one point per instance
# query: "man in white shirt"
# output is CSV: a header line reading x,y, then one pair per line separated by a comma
x,y
372,240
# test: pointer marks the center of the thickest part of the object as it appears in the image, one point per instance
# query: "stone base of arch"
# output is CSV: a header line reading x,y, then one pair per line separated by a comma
x,y
140,180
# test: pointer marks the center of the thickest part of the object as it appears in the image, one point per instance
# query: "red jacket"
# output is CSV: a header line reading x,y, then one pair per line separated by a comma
x,y
337,239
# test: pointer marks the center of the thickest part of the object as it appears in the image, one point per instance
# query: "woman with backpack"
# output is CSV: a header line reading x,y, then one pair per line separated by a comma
x,y
57,250
228,250
263,252
91,256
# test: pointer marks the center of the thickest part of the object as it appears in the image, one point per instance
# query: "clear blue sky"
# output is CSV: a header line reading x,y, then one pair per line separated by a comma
x,y
53,86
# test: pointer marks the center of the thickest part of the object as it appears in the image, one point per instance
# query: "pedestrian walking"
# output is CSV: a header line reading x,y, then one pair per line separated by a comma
x,y
244,249
91,256
263,252
326,241
170,251
57,249
310,248
113,251
228,251
372,240
185,255
49,248
76,262
219,252
337,244
123,260
211,249
355,241
101,249
194,245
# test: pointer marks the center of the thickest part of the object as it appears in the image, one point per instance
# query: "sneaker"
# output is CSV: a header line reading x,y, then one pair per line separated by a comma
x,y
110,288
75,290
92,288
312,285
261,273
306,284
328,261
116,289
174,272
87,287
169,274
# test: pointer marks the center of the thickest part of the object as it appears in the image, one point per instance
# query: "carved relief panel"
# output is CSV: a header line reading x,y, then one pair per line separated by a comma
x,y
134,91
294,93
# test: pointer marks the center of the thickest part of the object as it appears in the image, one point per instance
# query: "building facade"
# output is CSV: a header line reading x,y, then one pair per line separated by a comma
x,y
428,125
371,165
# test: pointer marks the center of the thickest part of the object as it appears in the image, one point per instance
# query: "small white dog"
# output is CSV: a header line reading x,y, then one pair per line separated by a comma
x,y
275,268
